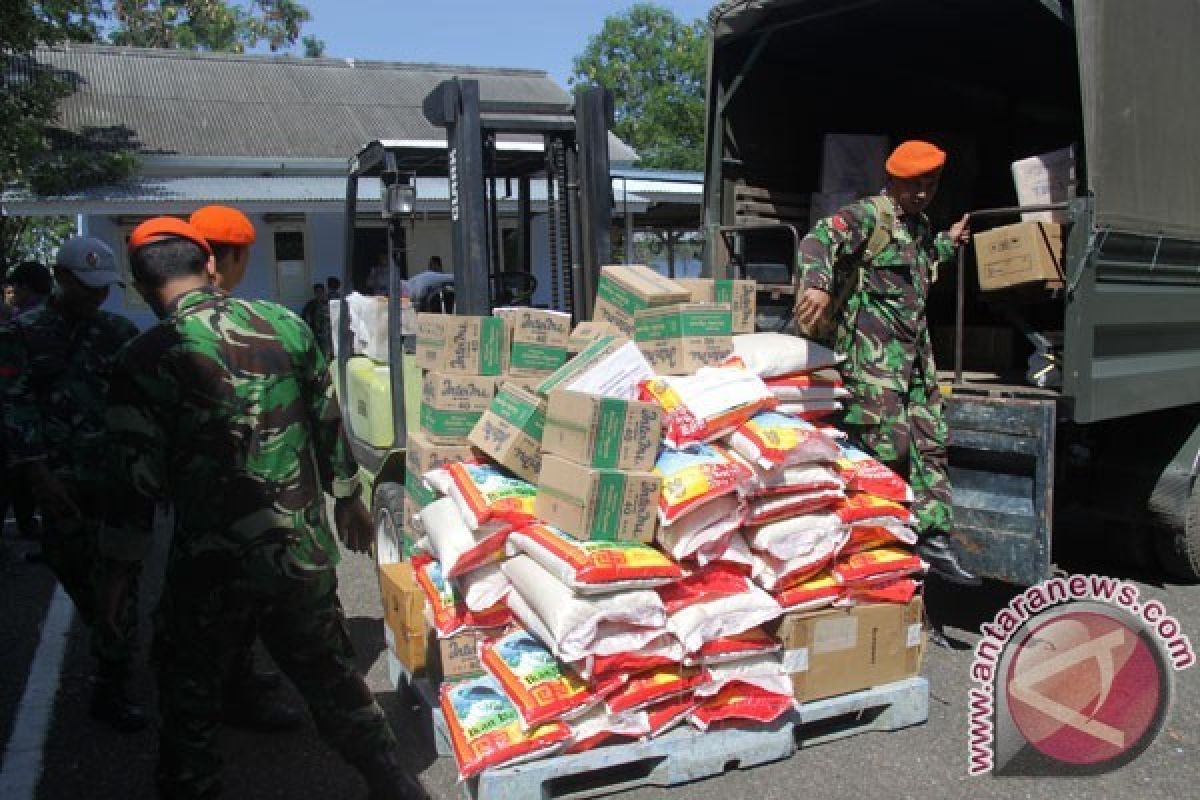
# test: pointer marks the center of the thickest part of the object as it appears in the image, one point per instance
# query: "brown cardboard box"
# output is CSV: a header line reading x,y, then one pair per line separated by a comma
x,y
624,289
680,339
451,404
537,339
457,658
741,296
587,332
1012,255
462,345
404,615
593,503
510,431
842,650
611,366
602,431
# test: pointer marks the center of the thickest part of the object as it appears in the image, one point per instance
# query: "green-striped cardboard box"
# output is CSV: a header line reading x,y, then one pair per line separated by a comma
x,y
602,432
451,404
594,503
510,431
462,345
537,340
680,339
623,290
740,295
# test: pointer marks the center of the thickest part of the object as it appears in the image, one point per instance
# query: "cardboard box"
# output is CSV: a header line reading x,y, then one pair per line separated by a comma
x,y
510,431
457,658
1045,179
1024,253
611,366
404,615
537,339
840,650
587,332
593,503
623,290
680,339
602,431
741,296
462,345
451,404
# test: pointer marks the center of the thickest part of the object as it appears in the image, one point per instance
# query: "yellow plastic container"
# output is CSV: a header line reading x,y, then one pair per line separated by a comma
x,y
370,401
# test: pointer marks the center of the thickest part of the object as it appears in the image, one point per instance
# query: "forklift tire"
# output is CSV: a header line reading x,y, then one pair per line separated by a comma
x,y
1179,546
388,514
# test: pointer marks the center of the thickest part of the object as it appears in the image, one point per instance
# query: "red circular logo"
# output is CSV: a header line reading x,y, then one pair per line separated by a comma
x,y
1085,688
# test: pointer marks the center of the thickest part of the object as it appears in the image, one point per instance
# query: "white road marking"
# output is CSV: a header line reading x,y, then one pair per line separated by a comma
x,y
21,768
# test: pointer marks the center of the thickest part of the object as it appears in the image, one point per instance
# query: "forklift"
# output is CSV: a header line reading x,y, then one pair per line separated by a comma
x,y
491,147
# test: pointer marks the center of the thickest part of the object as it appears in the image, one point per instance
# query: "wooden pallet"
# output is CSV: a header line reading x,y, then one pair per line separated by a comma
x,y
682,756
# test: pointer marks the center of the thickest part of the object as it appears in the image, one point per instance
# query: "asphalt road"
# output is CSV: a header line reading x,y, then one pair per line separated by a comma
x,y
85,760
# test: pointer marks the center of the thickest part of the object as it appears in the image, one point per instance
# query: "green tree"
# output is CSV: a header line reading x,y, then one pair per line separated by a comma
x,y
313,47
654,63
207,24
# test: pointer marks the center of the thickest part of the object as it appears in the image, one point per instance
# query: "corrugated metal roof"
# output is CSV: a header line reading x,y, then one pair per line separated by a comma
x,y
260,193
220,104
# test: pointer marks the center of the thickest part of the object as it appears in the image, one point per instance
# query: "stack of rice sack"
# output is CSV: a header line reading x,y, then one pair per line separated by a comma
x,y
827,524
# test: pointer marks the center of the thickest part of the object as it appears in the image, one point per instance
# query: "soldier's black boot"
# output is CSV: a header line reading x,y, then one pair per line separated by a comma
x,y
937,551
262,713
387,779
111,705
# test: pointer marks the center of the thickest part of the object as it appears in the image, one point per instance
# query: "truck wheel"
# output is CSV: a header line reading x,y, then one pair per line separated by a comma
x,y
1179,547
388,513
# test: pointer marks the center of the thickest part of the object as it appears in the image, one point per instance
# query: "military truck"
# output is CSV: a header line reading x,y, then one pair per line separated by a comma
x,y
992,83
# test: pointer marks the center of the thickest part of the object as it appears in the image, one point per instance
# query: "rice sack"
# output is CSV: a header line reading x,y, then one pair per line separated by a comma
x,y
863,473
458,548
706,406
770,355
741,703
693,477
540,688
484,492
594,567
770,439
449,615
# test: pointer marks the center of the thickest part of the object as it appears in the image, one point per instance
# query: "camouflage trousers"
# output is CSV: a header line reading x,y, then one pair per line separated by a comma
x,y
203,624
906,431
70,550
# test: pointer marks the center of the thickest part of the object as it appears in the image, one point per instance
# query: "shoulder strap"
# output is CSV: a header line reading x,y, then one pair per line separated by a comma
x,y
885,220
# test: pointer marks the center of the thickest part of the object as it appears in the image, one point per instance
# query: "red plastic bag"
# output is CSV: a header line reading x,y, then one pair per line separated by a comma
x,y
647,688
743,703
449,615
539,686
877,566
863,473
485,730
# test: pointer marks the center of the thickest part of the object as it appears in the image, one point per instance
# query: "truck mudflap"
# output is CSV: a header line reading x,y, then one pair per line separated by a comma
x,y
1002,471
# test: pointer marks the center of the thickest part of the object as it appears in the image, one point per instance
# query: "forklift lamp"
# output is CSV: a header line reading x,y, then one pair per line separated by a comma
x,y
399,198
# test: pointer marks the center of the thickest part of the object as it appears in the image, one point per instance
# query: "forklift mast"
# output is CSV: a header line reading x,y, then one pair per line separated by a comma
x,y
578,190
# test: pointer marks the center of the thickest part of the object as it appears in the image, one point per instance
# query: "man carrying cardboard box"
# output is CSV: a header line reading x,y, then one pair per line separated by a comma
x,y
879,257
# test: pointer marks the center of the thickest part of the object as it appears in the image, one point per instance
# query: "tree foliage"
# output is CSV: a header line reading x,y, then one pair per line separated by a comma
x,y
654,63
207,24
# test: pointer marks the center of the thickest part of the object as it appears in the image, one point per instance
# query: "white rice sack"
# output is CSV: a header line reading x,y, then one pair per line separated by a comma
x,y
594,567
770,354
765,671
800,478
809,409
454,544
772,508
773,573
734,551
575,627
712,523
599,725
724,616
484,587
771,440
798,537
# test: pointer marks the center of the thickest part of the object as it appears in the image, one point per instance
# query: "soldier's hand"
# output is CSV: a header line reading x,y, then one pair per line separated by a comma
x,y
51,495
812,306
353,522
960,232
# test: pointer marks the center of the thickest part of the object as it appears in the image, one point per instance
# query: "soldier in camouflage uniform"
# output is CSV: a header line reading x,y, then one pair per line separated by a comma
x,y
879,324
55,364
226,408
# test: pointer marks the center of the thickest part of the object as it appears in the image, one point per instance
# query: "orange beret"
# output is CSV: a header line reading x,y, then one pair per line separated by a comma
x,y
159,228
223,225
915,158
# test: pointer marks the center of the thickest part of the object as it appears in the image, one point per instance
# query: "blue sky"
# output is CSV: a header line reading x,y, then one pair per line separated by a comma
x,y
537,34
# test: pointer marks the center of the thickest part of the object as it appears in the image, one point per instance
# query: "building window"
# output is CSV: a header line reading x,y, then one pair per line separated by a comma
x,y
291,266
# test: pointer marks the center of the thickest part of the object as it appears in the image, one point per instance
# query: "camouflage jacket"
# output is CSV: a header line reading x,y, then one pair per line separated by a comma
x,y
881,329
226,407
54,376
